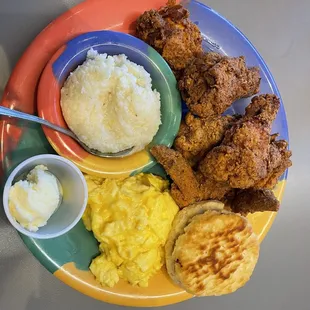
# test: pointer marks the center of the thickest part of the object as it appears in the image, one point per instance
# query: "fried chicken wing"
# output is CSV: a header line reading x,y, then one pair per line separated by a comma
x,y
212,82
188,186
197,135
181,200
171,33
254,200
179,170
242,158
209,189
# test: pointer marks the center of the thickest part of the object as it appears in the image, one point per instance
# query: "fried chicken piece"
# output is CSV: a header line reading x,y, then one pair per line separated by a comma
x,y
197,136
210,189
279,160
254,200
244,202
188,187
179,170
212,82
179,198
242,158
263,108
171,33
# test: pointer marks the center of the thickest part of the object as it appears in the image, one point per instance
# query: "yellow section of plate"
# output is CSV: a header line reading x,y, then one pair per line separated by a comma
x,y
262,221
161,290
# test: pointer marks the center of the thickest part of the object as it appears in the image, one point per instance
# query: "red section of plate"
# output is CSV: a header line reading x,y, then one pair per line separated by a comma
x,y
20,92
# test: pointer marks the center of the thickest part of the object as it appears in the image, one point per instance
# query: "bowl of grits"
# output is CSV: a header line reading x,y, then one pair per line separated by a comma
x,y
114,92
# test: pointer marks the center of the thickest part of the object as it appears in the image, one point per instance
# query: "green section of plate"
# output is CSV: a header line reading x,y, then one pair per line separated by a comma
x,y
171,112
32,142
78,245
169,129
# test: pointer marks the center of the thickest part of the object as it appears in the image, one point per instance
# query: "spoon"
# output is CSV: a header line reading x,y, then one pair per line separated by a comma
x,y
36,119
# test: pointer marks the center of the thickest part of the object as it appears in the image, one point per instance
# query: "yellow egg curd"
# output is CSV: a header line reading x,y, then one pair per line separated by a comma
x,y
131,219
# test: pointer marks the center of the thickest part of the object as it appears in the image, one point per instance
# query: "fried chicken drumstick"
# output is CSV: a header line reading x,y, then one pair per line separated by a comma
x,y
212,82
171,33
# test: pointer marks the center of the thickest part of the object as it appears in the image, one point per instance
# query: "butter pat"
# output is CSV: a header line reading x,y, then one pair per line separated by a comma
x,y
33,201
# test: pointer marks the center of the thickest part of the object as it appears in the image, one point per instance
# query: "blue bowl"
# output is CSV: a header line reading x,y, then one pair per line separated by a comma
x,y
74,54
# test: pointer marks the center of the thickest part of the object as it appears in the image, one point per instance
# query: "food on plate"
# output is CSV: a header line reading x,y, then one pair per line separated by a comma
x,y
221,250
215,156
198,135
278,161
171,33
243,157
109,103
212,189
212,82
34,200
254,200
131,220
179,170
189,186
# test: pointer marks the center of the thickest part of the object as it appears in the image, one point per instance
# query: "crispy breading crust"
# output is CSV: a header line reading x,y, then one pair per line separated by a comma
x,y
279,160
188,186
197,135
171,33
217,155
248,158
212,82
179,170
254,200
242,158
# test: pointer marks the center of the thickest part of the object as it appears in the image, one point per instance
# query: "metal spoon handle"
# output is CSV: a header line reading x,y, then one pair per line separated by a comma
x,y
35,119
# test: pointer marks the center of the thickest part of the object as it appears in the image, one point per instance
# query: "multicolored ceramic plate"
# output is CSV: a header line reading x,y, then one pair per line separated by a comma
x,y
69,256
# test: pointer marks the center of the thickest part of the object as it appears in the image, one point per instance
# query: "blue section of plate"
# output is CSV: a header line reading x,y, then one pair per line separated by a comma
x,y
110,42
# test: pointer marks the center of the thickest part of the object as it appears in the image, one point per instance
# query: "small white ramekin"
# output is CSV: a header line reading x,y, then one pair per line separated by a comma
x,y
75,195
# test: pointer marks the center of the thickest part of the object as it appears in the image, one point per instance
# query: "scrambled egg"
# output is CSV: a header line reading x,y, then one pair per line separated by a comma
x,y
131,219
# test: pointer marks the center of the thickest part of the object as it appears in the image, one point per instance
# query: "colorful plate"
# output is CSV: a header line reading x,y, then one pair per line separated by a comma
x,y
68,257
67,58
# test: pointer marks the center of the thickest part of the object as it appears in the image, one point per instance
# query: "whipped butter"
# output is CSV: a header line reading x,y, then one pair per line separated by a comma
x,y
33,201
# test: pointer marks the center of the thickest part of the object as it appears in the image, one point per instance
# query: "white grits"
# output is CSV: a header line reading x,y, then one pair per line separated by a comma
x,y
108,102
